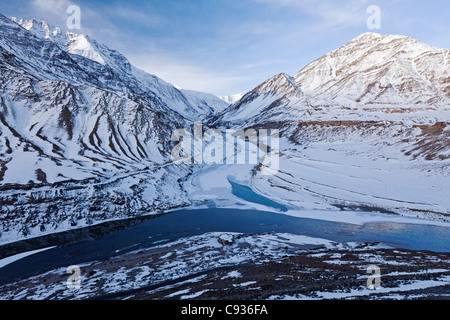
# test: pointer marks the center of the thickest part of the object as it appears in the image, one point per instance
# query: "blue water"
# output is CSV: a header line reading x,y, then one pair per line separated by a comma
x,y
186,223
248,194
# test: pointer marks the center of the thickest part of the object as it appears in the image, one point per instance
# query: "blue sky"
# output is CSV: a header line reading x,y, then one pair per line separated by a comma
x,y
230,46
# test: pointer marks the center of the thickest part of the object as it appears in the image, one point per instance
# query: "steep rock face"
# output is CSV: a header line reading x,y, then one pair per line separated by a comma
x,y
365,126
84,135
380,69
270,101
125,77
59,108
374,77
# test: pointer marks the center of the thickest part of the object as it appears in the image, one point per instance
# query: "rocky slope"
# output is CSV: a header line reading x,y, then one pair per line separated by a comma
x,y
375,69
85,136
248,267
373,81
75,114
373,77
365,126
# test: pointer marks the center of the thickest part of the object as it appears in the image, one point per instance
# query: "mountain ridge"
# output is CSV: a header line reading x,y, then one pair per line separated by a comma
x,y
85,136
369,74
83,45
398,60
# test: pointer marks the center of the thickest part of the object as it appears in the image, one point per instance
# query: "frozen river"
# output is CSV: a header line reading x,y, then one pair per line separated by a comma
x,y
186,223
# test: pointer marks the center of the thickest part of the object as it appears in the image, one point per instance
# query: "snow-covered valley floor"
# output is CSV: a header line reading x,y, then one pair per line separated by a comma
x,y
324,183
334,182
87,177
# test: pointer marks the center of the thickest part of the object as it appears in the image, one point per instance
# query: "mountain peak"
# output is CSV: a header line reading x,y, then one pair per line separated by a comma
x,y
378,36
50,53
371,73
232,99
74,43
374,68
40,28
368,35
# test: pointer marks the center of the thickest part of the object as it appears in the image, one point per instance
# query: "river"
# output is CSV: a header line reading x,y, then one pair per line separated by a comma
x,y
185,223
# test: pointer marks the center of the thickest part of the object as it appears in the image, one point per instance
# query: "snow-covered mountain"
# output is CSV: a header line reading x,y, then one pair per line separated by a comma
x,y
375,69
84,46
371,76
232,99
206,103
86,137
65,97
365,126
76,114
262,103
61,105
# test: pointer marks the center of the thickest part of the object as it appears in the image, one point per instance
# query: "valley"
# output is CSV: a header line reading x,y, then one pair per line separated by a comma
x,y
87,175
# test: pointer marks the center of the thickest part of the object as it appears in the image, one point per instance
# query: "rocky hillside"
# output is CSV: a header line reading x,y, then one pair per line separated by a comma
x,y
86,137
75,114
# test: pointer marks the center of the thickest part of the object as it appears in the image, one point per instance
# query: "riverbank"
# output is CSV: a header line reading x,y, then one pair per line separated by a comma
x,y
249,266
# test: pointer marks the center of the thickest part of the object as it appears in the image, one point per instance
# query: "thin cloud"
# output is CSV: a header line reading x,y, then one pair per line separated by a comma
x,y
55,13
190,76
327,13
55,8
130,15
